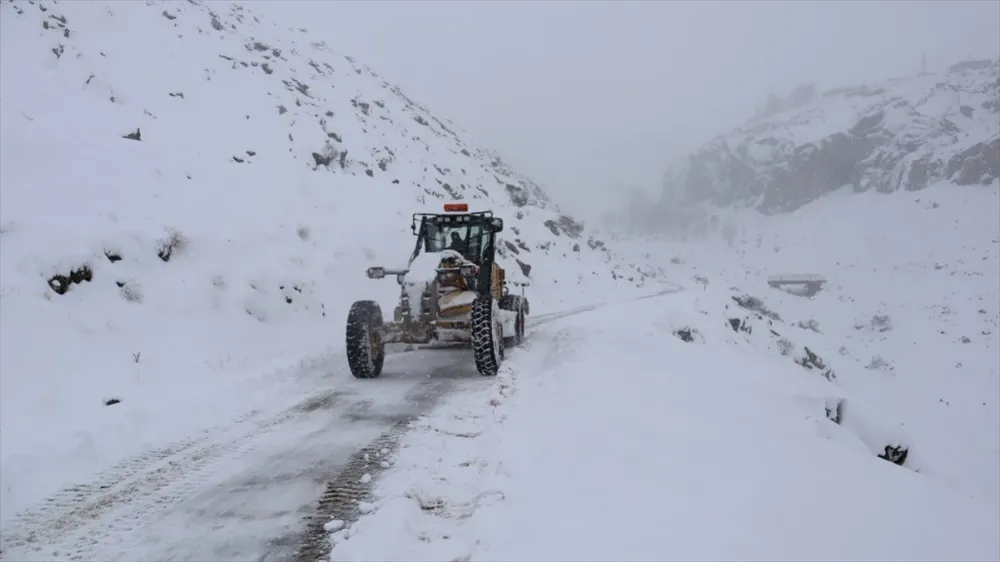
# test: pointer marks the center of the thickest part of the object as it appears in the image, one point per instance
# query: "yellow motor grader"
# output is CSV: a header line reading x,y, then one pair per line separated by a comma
x,y
451,291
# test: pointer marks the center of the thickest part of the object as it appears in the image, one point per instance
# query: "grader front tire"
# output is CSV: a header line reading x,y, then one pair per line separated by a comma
x,y
365,348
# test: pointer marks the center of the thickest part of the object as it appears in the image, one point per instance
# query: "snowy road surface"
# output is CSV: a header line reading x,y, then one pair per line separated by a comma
x,y
236,494
244,491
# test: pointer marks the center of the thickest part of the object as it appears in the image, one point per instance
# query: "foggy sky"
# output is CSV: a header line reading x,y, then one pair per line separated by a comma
x,y
592,96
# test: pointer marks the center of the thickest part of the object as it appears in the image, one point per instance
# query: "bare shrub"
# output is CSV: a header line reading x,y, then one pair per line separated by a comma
x,y
690,335
785,347
130,291
811,324
878,323
877,362
174,242
756,305
881,323
61,283
303,232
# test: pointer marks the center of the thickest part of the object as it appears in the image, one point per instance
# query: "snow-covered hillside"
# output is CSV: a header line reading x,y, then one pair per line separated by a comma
x,y
911,310
906,133
734,420
190,197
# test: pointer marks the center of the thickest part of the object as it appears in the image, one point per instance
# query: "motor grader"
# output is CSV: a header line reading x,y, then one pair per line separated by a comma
x,y
451,291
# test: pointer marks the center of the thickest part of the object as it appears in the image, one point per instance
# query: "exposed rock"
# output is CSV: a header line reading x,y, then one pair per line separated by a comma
x,y
570,226
896,454
525,268
978,164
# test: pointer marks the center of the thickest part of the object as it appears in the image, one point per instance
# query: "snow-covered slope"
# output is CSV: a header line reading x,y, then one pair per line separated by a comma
x,y
189,197
910,312
905,133
735,420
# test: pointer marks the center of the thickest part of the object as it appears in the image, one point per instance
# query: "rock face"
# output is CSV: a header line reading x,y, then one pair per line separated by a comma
x,y
902,134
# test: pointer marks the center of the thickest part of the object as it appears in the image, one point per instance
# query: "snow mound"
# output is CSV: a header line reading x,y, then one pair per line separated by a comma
x,y
191,196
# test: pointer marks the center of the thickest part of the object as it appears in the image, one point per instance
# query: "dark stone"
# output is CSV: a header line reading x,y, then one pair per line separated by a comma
x,y
525,268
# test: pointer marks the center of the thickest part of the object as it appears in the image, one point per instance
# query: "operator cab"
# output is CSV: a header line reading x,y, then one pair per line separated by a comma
x,y
473,235
468,239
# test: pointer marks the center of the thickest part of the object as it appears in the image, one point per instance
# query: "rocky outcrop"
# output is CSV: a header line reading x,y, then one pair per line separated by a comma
x,y
903,134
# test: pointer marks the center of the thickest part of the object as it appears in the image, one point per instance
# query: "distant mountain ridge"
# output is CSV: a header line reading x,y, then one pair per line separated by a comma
x,y
905,133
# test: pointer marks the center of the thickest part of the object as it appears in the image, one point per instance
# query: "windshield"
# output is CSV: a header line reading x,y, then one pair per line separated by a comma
x,y
466,239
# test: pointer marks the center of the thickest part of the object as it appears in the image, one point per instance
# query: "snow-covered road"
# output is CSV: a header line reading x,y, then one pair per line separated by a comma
x,y
249,489
238,492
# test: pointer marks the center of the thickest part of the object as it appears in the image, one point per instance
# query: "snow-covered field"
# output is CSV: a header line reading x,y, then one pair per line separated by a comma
x,y
611,437
216,253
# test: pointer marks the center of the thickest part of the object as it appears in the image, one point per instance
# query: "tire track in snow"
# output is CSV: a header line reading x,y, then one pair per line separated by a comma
x,y
80,517
344,495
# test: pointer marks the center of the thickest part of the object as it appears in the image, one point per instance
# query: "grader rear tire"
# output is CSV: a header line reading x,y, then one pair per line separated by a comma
x,y
487,336
514,303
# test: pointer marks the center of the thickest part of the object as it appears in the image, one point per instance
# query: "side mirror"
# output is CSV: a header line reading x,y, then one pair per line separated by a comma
x,y
497,224
376,272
